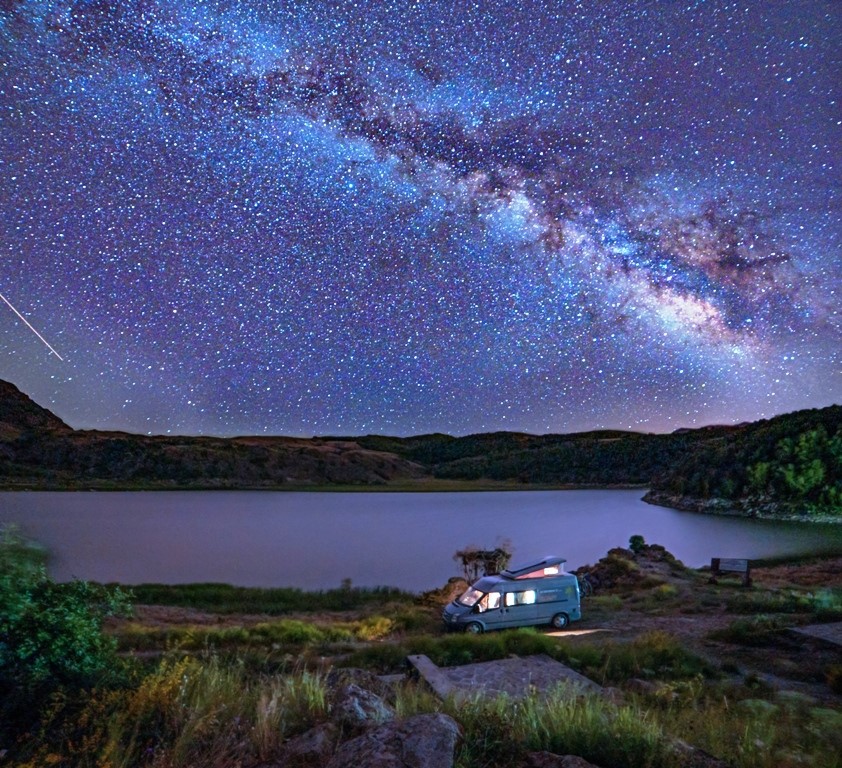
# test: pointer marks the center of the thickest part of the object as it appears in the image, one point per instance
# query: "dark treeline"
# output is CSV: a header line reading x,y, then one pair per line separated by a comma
x,y
794,459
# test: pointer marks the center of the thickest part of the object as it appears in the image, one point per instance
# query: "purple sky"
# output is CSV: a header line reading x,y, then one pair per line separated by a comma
x,y
311,218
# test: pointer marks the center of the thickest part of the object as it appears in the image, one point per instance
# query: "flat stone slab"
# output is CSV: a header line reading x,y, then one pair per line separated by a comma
x,y
515,677
829,633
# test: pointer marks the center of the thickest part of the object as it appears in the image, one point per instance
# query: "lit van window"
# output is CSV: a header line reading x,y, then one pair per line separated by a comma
x,y
527,597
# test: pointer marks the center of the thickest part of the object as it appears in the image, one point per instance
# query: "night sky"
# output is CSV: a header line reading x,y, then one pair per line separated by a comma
x,y
342,218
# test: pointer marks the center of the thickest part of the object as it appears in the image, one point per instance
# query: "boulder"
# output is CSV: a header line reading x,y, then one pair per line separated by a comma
x,y
340,677
420,741
551,760
689,756
312,749
356,708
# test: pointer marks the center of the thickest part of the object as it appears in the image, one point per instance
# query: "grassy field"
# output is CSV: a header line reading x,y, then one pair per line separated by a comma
x,y
221,676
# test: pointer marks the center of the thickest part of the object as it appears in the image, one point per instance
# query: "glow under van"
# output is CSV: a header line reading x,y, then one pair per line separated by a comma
x,y
540,593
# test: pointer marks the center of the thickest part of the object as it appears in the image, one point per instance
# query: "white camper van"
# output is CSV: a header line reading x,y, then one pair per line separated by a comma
x,y
540,593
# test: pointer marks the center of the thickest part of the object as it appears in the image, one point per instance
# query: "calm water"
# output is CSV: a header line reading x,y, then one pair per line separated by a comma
x,y
314,540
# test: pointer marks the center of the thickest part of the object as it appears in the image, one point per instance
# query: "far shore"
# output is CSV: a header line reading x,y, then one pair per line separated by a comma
x,y
426,485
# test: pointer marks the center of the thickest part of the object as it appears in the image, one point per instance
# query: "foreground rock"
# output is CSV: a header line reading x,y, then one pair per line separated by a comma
x,y
421,741
312,749
551,760
355,708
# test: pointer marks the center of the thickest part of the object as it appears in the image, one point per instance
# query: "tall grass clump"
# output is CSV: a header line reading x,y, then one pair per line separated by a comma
x,y
754,733
756,631
210,713
654,654
821,604
499,732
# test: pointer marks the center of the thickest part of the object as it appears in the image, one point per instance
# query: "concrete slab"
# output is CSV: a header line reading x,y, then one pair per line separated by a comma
x,y
828,633
515,677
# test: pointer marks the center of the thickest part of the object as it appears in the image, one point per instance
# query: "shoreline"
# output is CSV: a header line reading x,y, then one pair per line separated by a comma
x,y
776,512
432,485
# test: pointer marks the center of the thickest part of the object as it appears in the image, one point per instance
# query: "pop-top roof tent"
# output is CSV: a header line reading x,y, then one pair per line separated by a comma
x,y
549,566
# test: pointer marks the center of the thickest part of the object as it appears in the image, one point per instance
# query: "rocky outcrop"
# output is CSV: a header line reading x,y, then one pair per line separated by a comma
x,y
761,509
363,731
420,741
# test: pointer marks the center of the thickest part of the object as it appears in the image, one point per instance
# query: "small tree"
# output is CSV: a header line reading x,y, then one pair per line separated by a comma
x,y
637,543
482,562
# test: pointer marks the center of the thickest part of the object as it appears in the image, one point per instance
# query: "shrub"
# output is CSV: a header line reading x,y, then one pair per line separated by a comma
x,y
51,633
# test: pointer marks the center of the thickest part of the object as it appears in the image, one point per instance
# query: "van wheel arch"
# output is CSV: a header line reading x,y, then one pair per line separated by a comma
x,y
560,621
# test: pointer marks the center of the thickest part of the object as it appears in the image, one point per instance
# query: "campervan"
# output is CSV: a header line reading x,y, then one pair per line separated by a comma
x,y
540,593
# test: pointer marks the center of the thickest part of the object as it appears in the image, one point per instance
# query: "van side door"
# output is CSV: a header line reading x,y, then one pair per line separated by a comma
x,y
519,608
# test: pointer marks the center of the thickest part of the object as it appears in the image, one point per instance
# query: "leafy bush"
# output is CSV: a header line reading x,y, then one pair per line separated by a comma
x,y
51,634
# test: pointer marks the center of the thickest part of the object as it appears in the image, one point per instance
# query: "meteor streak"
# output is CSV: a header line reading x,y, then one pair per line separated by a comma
x,y
29,325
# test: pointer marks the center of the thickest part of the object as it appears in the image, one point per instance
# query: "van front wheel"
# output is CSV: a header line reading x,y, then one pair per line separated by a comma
x,y
474,628
560,621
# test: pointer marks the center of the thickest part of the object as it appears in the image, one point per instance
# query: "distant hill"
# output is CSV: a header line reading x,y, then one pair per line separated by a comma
x,y
37,450
790,462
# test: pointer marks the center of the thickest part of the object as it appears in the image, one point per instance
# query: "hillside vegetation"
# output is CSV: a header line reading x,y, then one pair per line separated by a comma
x,y
791,464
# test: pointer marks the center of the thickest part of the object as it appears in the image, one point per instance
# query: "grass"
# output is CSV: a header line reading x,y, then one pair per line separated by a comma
x,y
221,711
756,631
224,598
283,634
185,713
499,732
820,604
654,654
752,732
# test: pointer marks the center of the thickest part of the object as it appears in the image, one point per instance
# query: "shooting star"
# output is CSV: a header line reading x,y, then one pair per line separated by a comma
x,y
29,325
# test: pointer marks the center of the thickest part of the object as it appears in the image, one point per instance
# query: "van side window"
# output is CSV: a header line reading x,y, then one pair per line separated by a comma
x,y
527,597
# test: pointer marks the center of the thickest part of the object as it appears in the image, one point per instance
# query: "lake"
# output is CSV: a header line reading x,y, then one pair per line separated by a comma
x,y
407,540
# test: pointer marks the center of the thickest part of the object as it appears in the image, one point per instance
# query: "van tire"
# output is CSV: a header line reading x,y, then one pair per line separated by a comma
x,y
474,628
559,621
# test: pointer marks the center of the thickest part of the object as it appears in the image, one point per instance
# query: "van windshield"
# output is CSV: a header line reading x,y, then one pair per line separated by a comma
x,y
470,597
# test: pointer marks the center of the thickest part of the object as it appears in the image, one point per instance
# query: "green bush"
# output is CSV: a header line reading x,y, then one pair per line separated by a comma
x,y
51,634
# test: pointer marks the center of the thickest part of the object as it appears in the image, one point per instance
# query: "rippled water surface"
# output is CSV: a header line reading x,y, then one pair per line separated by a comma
x,y
314,540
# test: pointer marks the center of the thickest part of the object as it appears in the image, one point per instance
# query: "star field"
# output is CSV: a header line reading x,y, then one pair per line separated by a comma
x,y
311,218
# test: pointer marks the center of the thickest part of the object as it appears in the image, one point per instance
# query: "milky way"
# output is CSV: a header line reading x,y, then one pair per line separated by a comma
x,y
312,218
